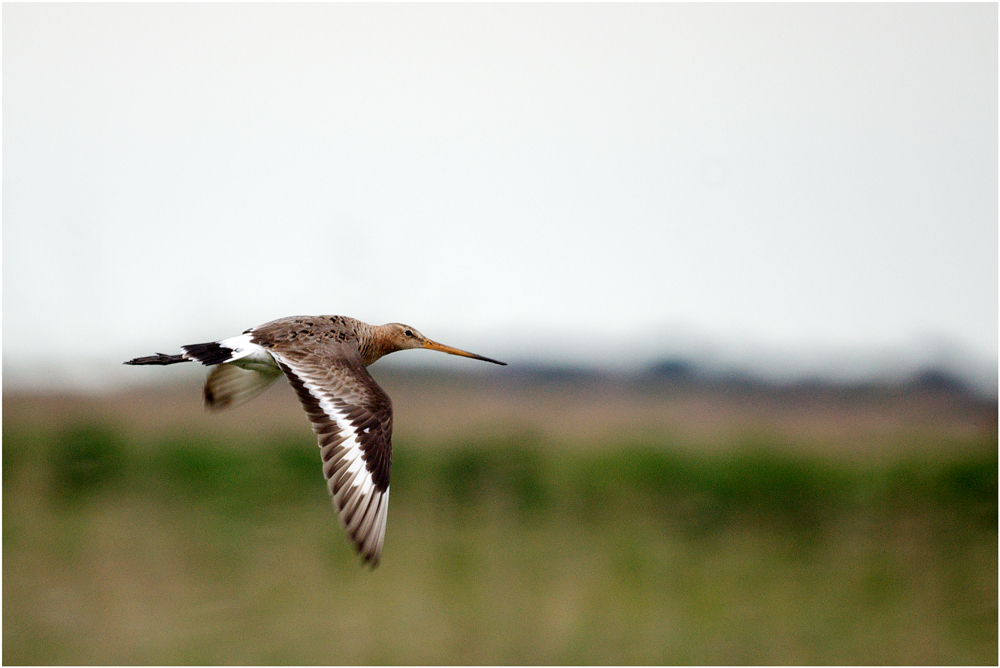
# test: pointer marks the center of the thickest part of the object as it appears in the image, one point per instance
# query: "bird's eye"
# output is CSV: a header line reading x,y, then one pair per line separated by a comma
x,y
408,332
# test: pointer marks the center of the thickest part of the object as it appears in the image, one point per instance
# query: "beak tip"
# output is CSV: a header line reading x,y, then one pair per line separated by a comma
x,y
434,345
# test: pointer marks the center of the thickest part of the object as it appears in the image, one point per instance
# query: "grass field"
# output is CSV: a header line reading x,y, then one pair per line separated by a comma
x,y
748,543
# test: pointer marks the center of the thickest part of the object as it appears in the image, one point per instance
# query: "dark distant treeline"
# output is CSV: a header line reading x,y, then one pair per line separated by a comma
x,y
687,374
930,379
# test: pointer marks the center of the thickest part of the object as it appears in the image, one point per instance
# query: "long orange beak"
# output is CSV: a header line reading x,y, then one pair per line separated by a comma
x,y
433,345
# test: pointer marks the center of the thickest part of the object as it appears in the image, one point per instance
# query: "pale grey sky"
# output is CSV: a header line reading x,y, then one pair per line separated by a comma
x,y
595,182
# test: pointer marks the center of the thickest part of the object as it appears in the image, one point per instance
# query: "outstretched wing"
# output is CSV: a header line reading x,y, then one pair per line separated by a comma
x,y
352,418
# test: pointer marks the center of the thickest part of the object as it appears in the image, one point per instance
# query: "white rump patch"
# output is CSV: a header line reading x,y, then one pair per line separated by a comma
x,y
249,355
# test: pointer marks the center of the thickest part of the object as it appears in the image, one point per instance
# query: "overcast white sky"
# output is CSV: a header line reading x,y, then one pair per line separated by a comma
x,y
573,182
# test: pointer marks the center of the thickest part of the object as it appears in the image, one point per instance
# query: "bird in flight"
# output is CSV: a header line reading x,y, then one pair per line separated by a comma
x,y
325,358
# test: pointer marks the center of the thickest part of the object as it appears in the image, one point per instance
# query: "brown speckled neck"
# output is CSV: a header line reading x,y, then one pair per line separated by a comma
x,y
373,341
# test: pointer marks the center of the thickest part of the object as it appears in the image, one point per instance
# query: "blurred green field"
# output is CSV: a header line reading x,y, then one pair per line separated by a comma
x,y
183,547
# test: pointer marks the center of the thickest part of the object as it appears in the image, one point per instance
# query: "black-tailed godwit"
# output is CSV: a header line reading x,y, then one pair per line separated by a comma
x,y
325,360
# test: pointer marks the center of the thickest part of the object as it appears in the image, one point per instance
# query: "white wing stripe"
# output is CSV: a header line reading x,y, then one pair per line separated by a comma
x,y
359,509
373,544
370,513
348,477
348,496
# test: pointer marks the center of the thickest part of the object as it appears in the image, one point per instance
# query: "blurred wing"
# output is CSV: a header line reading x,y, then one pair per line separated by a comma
x,y
352,418
228,385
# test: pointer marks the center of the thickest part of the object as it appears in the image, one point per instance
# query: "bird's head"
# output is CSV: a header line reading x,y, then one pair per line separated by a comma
x,y
404,337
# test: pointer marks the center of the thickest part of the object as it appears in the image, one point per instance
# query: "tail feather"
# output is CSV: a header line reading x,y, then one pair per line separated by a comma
x,y
241,369
159,358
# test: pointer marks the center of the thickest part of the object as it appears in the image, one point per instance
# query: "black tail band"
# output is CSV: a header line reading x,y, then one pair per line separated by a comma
x,y
209,353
